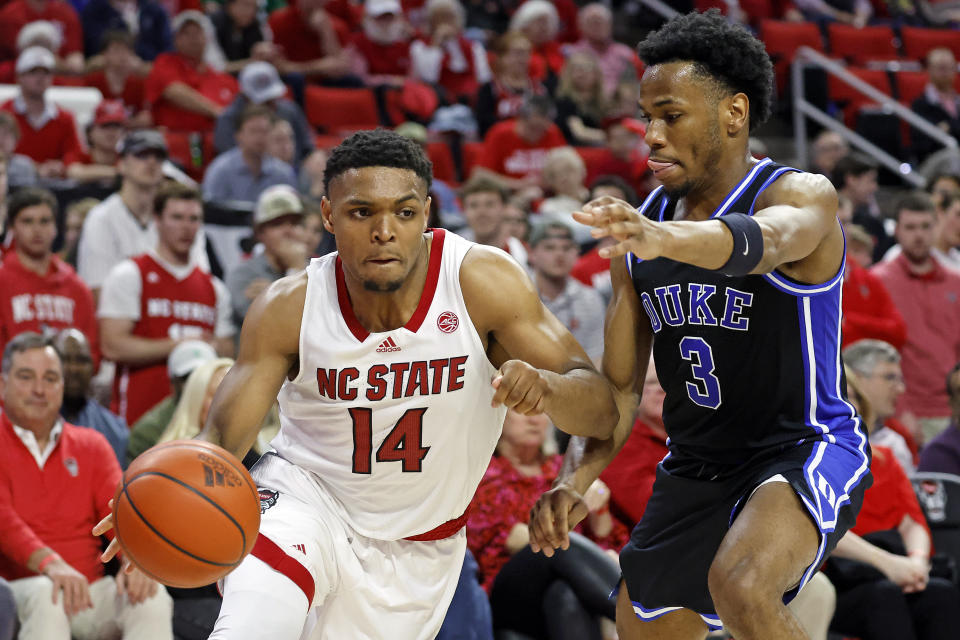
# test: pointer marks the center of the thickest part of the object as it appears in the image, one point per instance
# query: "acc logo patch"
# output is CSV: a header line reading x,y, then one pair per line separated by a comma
x,y
448,322
268,498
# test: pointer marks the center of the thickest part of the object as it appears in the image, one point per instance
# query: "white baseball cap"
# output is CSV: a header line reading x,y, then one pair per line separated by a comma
x,y
260,82
35,58
275,202
187,356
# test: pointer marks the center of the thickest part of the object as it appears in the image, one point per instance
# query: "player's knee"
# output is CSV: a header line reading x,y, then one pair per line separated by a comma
x,y
737,588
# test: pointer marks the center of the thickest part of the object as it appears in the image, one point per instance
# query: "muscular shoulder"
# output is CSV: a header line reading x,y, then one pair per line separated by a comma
x,y
800,189
494,286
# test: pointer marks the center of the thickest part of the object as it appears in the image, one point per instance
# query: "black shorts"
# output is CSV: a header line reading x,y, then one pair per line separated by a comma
x,y
666,561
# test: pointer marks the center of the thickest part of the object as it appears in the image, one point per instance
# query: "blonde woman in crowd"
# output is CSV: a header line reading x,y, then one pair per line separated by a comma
x,y
581,102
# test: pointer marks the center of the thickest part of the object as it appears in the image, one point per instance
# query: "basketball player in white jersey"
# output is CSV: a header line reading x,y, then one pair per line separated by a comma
x,y
395,360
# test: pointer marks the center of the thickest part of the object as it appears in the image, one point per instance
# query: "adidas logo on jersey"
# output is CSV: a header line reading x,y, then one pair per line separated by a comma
x,y
388,346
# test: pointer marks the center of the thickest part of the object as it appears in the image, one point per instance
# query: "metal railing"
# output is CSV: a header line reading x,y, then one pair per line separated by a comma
x,y
660,8
803,109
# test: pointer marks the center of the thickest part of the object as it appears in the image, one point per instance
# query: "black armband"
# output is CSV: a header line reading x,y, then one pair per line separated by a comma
x,y
747,244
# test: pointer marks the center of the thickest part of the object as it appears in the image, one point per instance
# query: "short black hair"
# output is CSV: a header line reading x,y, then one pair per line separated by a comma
x,y
609,180
853,164
377,148
914,201
30,197
728,53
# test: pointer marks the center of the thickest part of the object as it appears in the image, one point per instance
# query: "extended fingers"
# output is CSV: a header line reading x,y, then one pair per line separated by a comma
x,y
110,551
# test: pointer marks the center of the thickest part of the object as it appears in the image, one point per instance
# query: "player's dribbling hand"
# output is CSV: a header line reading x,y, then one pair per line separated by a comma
x,y
521,387
612,217
552,518
114,547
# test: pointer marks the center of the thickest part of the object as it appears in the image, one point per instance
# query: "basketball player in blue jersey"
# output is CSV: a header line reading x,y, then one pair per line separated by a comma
x,y
731,273
393,361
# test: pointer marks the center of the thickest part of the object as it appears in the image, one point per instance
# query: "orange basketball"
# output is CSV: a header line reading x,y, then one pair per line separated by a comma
x,y
186,513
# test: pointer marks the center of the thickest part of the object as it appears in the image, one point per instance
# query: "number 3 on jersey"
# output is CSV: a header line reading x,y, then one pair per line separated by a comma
x,y
706,391
403,443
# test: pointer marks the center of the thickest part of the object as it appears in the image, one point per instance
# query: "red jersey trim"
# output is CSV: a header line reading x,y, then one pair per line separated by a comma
x,y
268,551
426,296
442,531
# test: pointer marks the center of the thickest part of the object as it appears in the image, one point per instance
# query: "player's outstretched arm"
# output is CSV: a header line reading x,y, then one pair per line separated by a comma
x,y
542,367
794,229
269,346
626,355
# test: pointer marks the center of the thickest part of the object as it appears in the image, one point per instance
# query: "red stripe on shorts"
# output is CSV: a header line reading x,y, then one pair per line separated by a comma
x,y
445,530
268,551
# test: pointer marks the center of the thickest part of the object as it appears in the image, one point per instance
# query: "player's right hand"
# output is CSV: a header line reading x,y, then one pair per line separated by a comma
x,y
73,585
521,387
552,518
101,528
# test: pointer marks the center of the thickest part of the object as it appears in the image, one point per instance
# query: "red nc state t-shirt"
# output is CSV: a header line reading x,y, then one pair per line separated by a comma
x,y
505,152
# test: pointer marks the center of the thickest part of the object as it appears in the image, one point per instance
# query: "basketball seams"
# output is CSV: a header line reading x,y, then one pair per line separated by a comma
x,y
207,447
233,520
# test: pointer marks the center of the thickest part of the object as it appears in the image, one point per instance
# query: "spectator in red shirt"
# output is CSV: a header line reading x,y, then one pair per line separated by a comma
x,y
446,58
868,309
380,51
539,21
928,296
18,13
119,79
625,154
47,133
38,291
55,482
514,151
185,94
311,41
529,592
103,136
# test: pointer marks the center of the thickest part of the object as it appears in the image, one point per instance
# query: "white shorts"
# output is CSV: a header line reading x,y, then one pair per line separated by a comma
x,y
357,587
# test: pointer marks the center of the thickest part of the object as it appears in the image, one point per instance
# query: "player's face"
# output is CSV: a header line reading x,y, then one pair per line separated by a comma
x,y
178,224
525,431
33,388
914,232
34,231
378,216
683,126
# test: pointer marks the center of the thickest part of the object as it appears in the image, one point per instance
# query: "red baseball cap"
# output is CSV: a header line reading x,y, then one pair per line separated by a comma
x,y
110,112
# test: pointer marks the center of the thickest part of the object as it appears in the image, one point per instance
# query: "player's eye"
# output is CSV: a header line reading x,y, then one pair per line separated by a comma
x,y
644,118
408,213
672,117
360,212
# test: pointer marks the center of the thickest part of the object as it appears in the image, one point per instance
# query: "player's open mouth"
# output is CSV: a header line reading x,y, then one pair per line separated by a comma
x,y
659,168
382,261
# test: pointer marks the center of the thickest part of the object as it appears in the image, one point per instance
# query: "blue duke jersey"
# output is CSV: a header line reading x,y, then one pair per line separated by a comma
x,y
750,365
397,425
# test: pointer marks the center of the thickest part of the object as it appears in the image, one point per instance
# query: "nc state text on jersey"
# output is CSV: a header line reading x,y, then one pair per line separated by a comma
x,y
399,379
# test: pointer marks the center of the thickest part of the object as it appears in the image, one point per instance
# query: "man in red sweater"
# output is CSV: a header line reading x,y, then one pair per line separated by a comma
x,y
47,133
55,482
928,296
18,13
38,290
184,93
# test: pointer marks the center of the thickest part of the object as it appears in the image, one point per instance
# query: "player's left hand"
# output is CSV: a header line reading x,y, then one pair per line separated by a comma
x,y
612,217
521,387
136,585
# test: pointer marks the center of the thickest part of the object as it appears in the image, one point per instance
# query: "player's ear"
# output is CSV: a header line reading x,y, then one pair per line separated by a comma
x,y
326,213
426,211
735,111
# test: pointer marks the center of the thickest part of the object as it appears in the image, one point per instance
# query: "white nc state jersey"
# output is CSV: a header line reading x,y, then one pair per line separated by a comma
x,y
397,426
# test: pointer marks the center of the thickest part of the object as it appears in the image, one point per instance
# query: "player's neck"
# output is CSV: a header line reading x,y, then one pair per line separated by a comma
x,y
704,199
380,311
